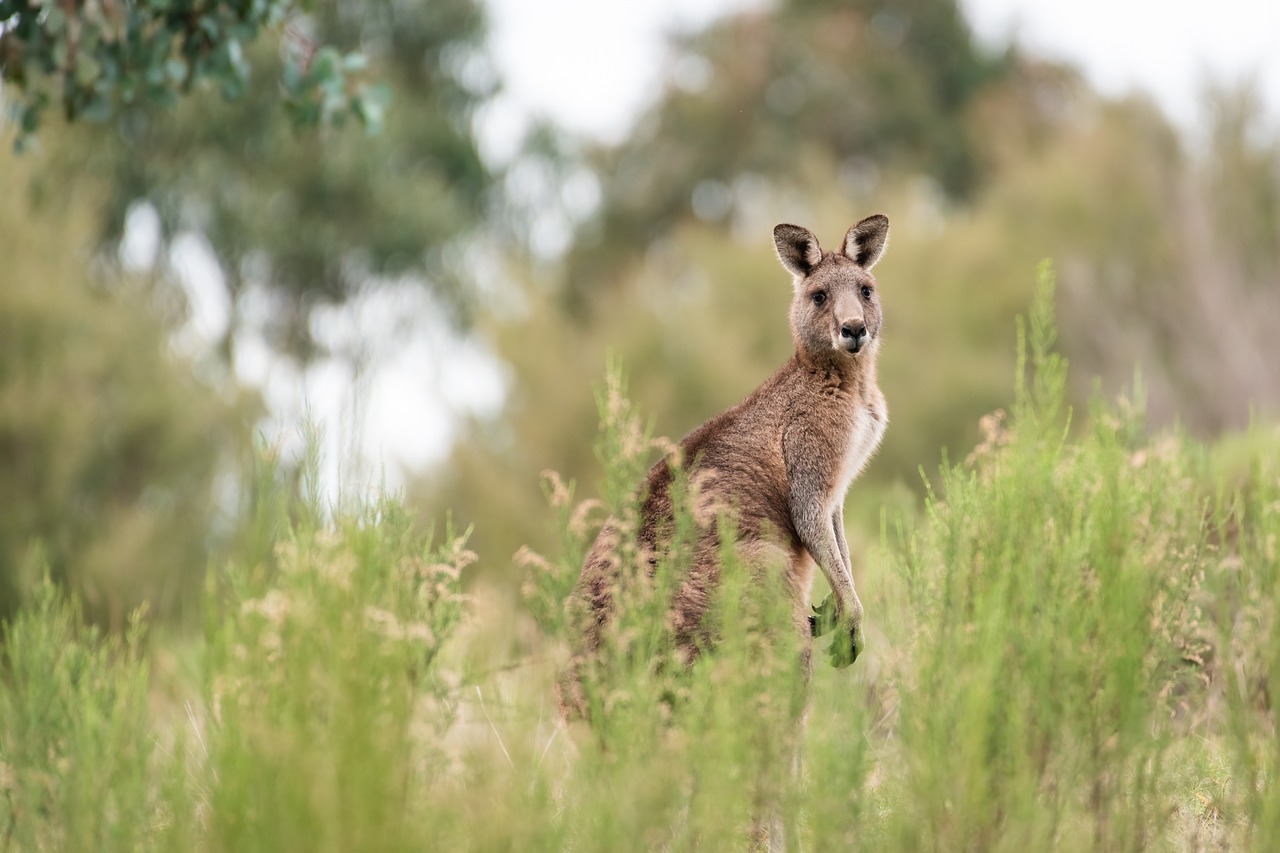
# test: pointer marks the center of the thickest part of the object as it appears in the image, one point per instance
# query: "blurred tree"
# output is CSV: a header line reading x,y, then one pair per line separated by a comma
x,y
111,452
110,449
92,58
1243,178
314,218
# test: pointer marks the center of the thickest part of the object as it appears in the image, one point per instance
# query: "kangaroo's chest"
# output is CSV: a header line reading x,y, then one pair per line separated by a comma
x,y
865,426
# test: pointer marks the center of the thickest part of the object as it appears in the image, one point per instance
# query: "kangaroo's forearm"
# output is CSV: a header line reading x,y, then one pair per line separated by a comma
x,y
821,538
837,522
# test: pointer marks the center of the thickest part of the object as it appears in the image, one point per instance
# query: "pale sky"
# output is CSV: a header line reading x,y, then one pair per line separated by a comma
x,y
1163,47
592,65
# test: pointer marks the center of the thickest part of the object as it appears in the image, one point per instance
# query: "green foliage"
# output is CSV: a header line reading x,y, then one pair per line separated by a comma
x,y
322,686
95,59
1244,190
623,447
297,220
316,722
1246,613
1055,590
782,97
75,746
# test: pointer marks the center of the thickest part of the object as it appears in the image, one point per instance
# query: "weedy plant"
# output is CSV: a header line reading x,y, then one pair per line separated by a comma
x,y
318,723
325,708
1245,610
1055,592
75,741
677,754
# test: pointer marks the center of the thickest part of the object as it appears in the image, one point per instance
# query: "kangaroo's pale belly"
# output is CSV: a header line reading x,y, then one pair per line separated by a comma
x,y
865,433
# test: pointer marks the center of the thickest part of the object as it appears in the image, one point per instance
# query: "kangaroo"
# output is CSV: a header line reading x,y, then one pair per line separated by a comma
x,y
782,459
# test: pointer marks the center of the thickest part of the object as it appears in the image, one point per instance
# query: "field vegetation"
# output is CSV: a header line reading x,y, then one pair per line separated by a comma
x,y
221,630
1074,645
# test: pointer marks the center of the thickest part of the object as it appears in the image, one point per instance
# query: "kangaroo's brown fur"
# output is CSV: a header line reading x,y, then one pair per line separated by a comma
x,y
783,458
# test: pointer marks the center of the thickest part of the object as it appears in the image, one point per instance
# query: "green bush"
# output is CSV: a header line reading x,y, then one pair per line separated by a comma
x,y
1055,589
324,702
75,745
675,755
114,455
318,721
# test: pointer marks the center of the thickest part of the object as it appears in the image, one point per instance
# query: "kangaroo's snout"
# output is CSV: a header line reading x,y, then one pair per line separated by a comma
x,y
853,334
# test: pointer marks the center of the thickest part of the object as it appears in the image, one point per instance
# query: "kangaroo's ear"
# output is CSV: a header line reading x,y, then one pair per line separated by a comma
x,y
798,249
865,242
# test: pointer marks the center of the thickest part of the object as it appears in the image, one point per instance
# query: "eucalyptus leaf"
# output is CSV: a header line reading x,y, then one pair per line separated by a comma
x,y
55,21
176,69
87,70
162,53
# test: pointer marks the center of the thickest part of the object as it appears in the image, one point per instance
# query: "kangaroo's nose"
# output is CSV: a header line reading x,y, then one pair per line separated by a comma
x,y
853,331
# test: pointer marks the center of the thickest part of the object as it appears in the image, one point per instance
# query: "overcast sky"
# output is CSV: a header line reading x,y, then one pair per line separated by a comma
x,y
592,65
1166,48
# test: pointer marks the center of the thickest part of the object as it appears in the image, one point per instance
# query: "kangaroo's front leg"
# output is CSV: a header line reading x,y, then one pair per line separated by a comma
x,y
854,637
823,536
824,619
837,524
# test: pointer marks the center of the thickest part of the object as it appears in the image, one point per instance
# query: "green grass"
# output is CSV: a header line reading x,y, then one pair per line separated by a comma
x,y
1072,646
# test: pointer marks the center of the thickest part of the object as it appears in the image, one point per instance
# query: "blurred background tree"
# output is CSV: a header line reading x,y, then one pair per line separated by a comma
x,y
121,452
763,100
295,220
93,58
115,460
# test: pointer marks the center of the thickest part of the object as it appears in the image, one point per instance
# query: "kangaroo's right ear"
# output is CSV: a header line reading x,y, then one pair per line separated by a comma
x,y
797,248
865,242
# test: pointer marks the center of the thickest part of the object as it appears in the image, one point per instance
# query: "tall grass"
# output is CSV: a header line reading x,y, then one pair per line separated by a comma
x,y
1073,645
1055,589
75,756
676,754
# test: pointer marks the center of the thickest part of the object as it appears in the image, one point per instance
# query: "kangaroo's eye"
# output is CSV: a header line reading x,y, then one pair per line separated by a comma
x,y
819,298
866,293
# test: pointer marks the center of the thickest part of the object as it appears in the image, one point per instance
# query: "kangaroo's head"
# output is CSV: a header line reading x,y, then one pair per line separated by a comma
x,y
835,311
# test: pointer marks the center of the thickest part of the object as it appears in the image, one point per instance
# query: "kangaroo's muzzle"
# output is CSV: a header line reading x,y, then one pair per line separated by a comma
x,y
853,335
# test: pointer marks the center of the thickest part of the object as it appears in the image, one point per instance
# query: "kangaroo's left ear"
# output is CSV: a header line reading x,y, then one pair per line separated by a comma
x,y
865,242
797,248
